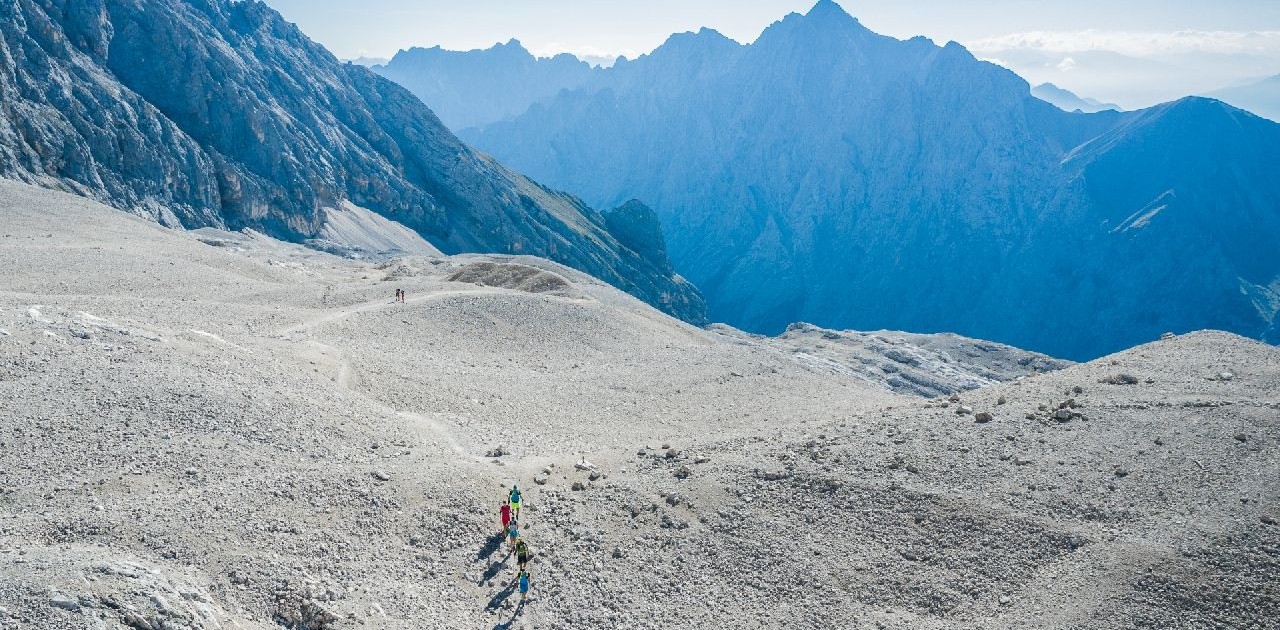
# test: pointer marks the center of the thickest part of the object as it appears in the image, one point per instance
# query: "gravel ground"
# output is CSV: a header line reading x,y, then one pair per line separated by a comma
x,y
211,430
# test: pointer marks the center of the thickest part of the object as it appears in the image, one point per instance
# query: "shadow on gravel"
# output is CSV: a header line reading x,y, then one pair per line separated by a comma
x,y
506,625
491,545
497,600
492,572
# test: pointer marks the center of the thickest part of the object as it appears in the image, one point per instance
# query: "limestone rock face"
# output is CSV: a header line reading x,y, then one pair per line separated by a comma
x,y
209,113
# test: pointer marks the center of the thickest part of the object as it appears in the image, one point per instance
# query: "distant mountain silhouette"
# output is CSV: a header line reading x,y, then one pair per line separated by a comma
x,y
220,113
1067,100
831,175
483,86
1260,97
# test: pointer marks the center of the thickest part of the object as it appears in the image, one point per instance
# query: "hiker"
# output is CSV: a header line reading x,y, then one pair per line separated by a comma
x,y
524,584
505,510
513,532
522,554
514,498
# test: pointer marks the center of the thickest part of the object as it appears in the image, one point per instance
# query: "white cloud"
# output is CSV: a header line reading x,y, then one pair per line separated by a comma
x,y
1138,44
1066,64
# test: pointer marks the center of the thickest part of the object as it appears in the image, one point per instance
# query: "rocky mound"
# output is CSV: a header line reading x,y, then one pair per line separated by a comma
x,y
906,363
512,276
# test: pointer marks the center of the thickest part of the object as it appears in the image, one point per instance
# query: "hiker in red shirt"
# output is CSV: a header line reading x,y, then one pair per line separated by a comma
x,y
506,515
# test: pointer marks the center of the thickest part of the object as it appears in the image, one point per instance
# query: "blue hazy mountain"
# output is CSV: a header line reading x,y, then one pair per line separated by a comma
x,y
1260,97
1067,100
483,86
220,113
832,175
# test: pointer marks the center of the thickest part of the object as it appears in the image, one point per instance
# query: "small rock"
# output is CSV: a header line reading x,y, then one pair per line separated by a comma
x,y
1226,376
595,475
701,459
1001,400
1120,379
964,410
983,417
683,472
1166,336
1062,415
673,499
1121,472
666,446
496,452
541,479
133,620
58,600
1267,519
955,398
381,475
192,472
80,333
617,552
578,486
1004,600
1077,390
1240,437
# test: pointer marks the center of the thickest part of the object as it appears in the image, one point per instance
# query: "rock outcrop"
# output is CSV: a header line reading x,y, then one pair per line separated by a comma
x,y
210,113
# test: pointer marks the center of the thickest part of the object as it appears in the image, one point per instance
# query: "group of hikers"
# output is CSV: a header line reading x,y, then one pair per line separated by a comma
x,y
510,512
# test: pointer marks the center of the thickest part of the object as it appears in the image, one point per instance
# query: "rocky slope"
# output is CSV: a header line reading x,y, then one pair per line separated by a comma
x,y
828,174
221,114
905,363
204,431
478,87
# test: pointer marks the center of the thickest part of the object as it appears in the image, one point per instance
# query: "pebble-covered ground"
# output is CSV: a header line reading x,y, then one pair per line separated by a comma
x,y
204,430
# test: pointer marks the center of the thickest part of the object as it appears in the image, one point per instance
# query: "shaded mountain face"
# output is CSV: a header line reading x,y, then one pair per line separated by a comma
x,y
215,113
483,86
1067,100
831,175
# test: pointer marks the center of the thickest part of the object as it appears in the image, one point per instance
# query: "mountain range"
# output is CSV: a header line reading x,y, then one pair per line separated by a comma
x,y
828,174
214,113
1067,100
482,86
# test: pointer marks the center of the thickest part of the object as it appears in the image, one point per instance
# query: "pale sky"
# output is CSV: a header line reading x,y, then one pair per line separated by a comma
x,y
1138,50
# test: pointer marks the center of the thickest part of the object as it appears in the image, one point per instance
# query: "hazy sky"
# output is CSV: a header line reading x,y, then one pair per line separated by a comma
x,y
1223,41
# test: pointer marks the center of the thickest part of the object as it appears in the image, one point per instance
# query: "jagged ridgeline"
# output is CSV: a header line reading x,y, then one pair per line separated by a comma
x,y
217,113
828,174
